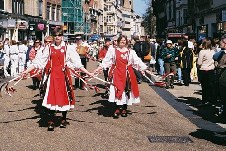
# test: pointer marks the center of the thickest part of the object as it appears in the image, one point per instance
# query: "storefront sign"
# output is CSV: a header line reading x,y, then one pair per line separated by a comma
x,y
22,25
41,26
11,23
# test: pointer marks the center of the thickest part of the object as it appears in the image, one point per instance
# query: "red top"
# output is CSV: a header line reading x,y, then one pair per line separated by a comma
x,y
102,53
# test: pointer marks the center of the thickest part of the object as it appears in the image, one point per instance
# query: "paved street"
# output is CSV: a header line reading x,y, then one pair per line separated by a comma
x,y
23,125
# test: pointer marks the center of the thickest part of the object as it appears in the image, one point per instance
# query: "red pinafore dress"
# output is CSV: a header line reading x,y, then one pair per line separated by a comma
x,y
56,97
123,74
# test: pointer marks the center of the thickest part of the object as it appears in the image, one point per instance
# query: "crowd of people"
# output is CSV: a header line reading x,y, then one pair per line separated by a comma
x,y
123,62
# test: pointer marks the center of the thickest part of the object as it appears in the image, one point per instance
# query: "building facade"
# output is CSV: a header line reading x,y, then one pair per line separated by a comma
x,y
194,18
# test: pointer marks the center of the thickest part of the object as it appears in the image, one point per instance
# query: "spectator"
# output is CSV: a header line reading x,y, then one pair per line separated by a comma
x,y
6,57
170,55
186,61
206,70
14,51
160,58
142,48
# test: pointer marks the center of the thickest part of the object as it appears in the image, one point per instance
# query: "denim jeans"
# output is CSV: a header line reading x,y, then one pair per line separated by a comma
x,y
179,74
161,66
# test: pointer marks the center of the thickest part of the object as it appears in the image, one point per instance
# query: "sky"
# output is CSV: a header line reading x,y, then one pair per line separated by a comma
x,y
140,6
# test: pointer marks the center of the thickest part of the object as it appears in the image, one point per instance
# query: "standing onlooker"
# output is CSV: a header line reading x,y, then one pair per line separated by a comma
x,y
82,48
6,57
206,71
170,55
186,61
13,52
153,55
22,55
142,48
160,58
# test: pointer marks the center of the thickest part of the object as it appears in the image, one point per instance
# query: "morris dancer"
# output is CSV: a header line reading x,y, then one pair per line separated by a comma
x,y
35,50
59,95
125,90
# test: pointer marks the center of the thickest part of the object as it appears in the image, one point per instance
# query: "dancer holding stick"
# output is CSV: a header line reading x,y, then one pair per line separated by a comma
x,y
59,95
121,61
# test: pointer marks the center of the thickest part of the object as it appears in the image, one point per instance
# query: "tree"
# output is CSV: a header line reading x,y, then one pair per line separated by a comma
x,y
149,21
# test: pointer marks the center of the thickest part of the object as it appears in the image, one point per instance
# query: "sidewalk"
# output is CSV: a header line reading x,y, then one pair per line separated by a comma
x,y
192,95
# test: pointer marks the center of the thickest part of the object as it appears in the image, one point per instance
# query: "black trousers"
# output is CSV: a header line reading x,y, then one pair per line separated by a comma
x,y
186,75
106,74
207,82
35,82
78,82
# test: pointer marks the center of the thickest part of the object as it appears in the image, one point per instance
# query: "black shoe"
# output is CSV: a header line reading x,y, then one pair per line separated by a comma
x,y
167,87
116,114
124,113
139,82
64,124
51,126
172,86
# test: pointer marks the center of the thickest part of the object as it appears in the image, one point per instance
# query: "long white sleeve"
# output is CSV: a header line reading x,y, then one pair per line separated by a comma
x,y
72,58
136,61
108,59
41,60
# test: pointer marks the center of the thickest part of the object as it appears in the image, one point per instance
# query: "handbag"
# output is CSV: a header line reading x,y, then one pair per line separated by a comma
x,y
147,57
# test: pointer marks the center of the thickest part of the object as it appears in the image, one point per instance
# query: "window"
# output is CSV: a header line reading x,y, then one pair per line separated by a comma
x,y
40,7
17,7
58,13
48,11
2,4
53,12
185,16
109,19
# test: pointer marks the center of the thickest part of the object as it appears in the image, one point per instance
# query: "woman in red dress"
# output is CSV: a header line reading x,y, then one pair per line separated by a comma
x,y
59,94
121,61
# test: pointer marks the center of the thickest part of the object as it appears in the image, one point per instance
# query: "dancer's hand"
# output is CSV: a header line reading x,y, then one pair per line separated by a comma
x,y
91,74
149,72
97,70
24,74
143,72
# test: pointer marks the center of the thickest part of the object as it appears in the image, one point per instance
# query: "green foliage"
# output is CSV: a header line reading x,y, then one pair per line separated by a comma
x,y
149,21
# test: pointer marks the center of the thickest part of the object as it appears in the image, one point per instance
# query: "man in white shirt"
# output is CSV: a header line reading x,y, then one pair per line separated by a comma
x,y
6,57
22,55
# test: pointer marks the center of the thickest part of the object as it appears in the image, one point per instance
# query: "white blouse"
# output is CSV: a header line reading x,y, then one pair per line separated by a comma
x,y
72,58
134,60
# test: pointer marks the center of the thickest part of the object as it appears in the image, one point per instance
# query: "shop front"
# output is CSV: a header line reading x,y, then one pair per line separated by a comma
x,y
22,27
37,30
